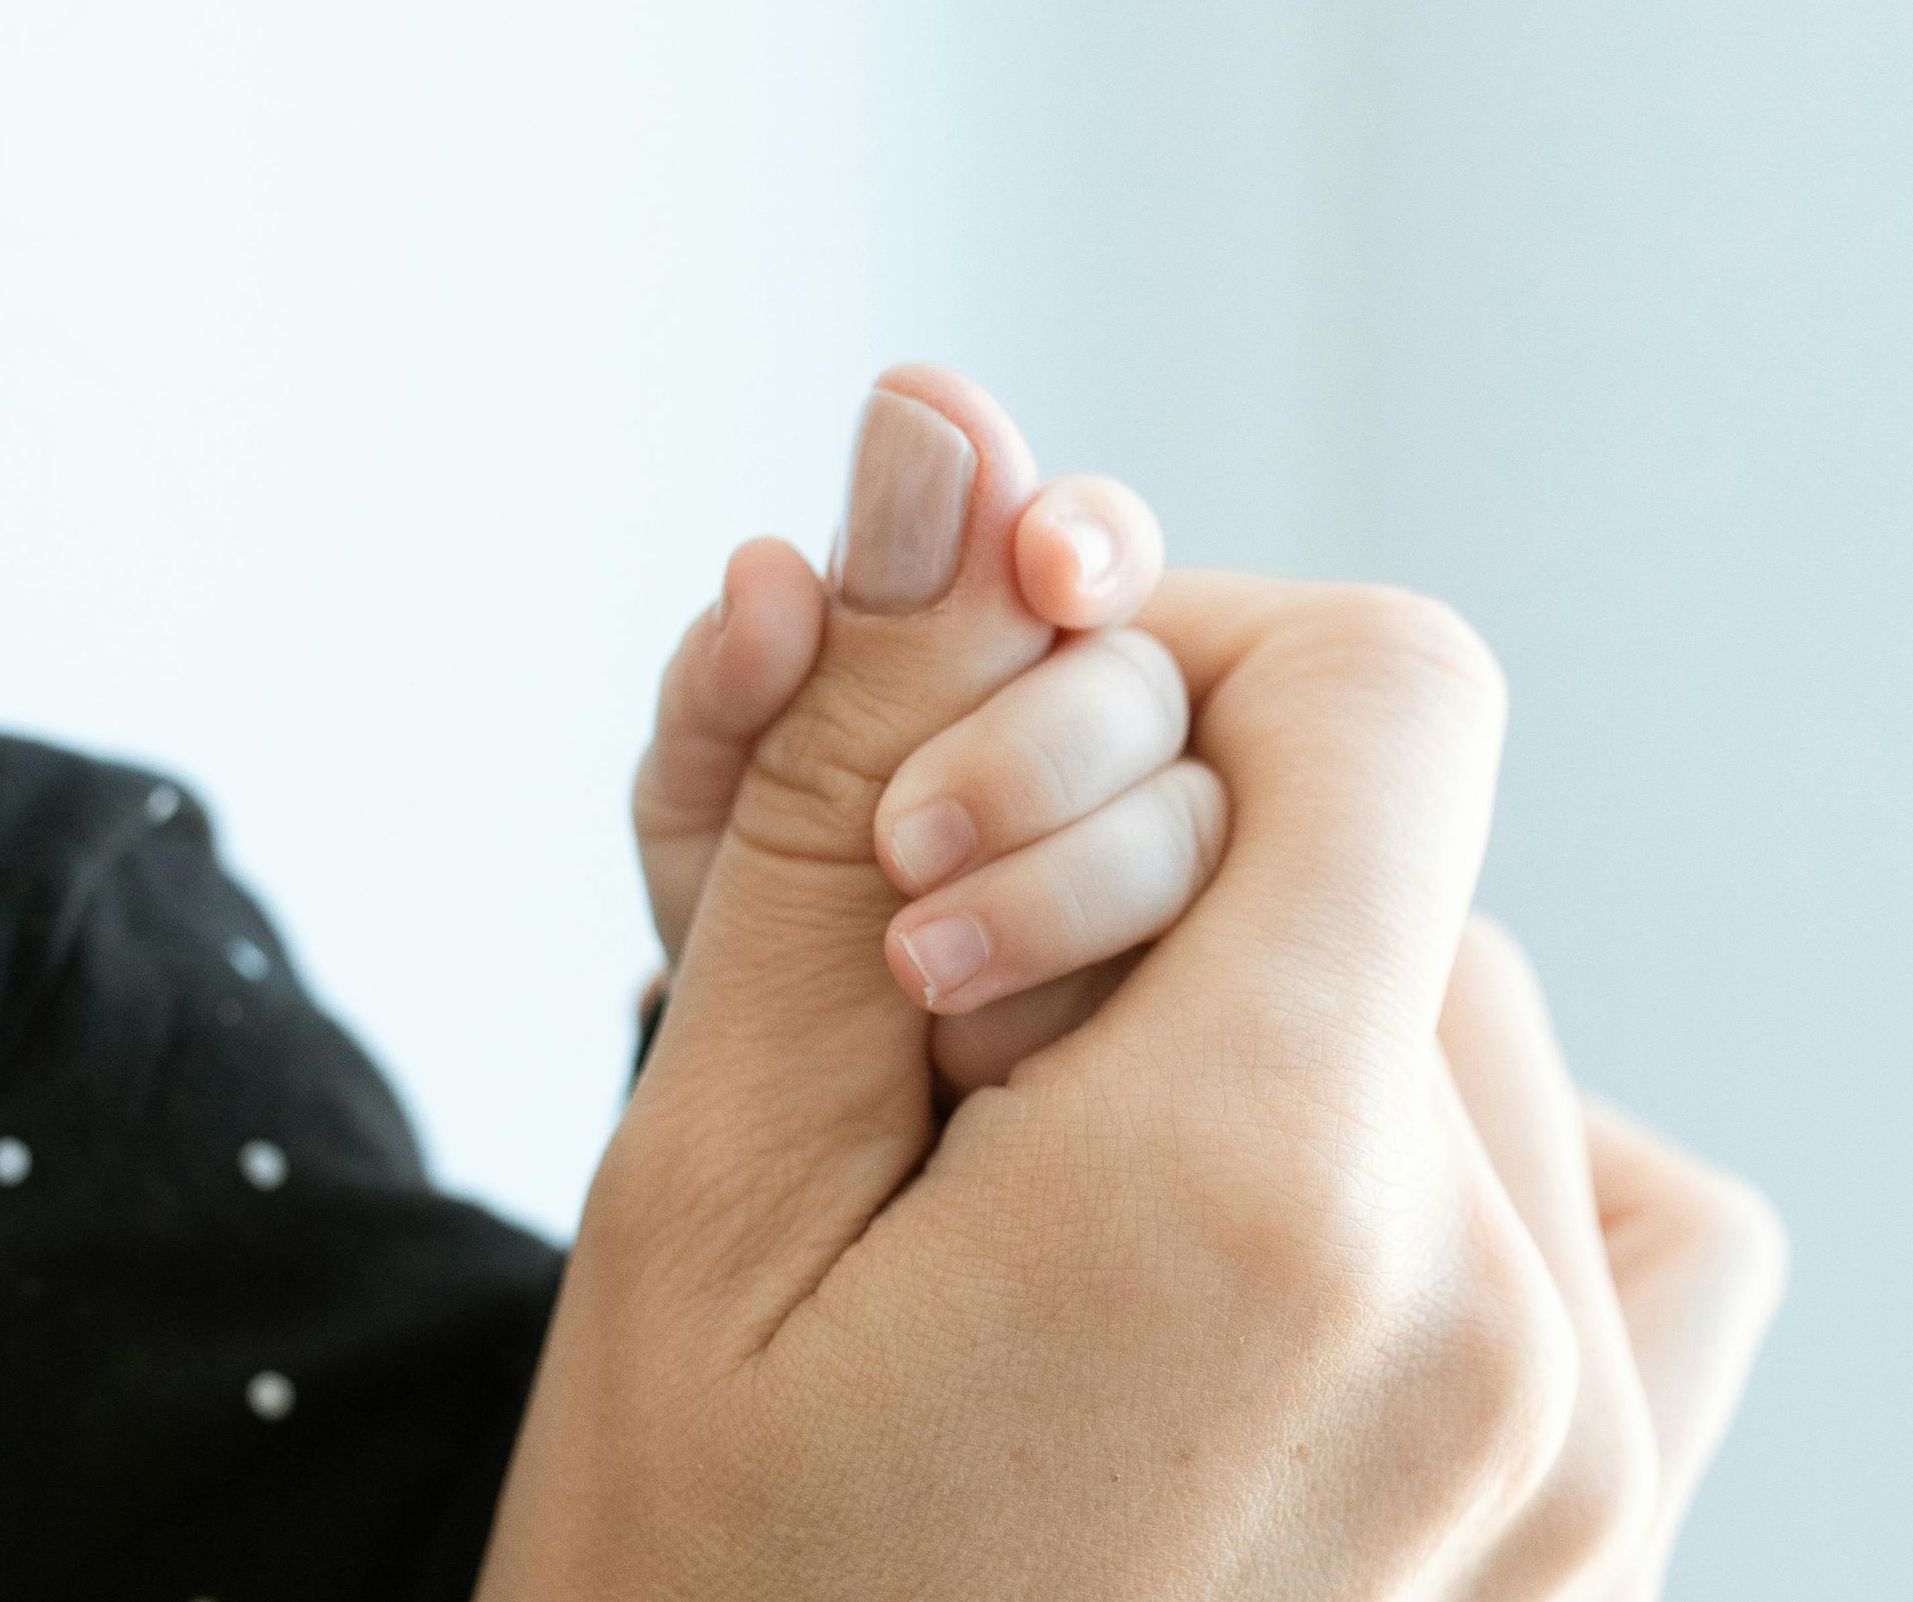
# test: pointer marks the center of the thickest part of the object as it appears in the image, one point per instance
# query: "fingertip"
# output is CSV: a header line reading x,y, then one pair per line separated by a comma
x,y
1492,968
1005,469
892,861
923,846
767,628
1088,552
771,575
904,967
939,959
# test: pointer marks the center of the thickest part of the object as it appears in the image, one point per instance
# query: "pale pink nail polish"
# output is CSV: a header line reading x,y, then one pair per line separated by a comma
x,y
932,842
947,954
909,496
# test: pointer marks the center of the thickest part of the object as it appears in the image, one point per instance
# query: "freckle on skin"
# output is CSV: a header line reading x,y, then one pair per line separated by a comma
x,y
1184,1457
1300,1451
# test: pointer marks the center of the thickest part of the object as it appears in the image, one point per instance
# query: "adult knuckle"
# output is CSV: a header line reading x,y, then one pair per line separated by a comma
x,y
806,792
1590,1516
1158,1202
1508,1364
658,811
1402,632
1598,1507
1739,1231
1575,1532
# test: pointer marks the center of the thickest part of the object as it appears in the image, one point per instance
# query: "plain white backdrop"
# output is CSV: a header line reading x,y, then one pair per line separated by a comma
x,y
382,386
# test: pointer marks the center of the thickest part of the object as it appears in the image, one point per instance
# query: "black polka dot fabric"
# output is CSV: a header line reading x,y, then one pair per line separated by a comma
x,y
249,1354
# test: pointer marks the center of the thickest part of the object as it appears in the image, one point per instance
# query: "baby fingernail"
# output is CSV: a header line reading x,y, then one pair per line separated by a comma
x,y
932,842
909,494
1094,549
947,954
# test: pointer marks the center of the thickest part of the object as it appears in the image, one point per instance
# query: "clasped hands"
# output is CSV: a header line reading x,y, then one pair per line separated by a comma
x,y
1091,1151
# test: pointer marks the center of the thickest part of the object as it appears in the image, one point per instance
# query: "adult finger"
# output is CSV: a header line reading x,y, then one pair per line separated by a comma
x,y
1699,1258
736,670
1592,1506
788,1093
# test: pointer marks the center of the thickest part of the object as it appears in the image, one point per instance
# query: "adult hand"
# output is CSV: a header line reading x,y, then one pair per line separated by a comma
x,y
1673,1266
1220,1296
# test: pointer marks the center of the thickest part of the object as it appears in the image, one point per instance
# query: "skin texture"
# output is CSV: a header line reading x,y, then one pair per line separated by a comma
x,y
1280,1275
741,663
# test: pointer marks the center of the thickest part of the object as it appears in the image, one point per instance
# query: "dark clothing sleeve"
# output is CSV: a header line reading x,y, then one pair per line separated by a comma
x,y
248,1354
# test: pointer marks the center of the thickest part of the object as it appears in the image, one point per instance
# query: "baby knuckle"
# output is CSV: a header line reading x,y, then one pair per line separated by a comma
x,y
1032,779
1152,673
1201,818
1170,820
1072,909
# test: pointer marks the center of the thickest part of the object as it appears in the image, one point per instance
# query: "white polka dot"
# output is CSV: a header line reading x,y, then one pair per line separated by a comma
x,y
16,1160
229,1012
270,1395
162,801
263,1164
247,960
